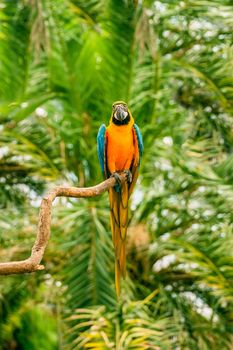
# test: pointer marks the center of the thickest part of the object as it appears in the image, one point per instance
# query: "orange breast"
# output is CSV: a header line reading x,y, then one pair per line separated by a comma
x,y
120,147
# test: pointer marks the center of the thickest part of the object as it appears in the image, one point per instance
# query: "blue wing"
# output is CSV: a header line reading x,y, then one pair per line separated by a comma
x,y
139,137
135,164
101,145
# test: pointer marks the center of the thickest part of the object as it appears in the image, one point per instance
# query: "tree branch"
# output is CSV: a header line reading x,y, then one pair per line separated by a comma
x,y
33,262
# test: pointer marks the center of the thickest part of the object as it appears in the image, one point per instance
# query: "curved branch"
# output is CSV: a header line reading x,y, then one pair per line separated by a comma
x,y
33,262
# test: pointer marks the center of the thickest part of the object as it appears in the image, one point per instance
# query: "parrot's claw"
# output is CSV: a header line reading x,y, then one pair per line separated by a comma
x,y
116,177
128,175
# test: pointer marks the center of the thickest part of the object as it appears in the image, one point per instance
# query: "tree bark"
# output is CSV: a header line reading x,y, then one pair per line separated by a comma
x,y
33,262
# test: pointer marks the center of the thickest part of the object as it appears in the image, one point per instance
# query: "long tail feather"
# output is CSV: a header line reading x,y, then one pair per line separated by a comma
x,y
123,260
119,220
117,278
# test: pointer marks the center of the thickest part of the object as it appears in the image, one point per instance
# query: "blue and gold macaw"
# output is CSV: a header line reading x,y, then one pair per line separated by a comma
x,y
120,149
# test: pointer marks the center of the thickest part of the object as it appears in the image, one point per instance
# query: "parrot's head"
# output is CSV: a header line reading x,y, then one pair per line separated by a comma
x,y
120,113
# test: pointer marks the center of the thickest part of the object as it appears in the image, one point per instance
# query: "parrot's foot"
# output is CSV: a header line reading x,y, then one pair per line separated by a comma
x,y
128,175
116,177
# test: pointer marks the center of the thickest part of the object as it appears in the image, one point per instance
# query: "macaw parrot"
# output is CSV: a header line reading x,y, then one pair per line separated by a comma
x,y
120,149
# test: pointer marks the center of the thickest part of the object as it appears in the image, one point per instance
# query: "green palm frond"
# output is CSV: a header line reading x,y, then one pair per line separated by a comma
x,y
62,64
134,328
90,264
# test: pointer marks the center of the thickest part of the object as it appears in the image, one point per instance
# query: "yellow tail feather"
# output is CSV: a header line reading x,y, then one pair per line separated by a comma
x,y
119,220
117,279
123,259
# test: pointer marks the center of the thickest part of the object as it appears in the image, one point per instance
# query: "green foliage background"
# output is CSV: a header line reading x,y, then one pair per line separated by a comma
x,y
62,64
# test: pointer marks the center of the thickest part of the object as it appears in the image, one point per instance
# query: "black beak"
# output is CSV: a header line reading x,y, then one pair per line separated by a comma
x,y
120,113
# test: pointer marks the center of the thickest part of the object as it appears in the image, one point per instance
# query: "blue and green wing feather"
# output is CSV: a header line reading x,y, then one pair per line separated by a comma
x,y
136,162
101,148
140,141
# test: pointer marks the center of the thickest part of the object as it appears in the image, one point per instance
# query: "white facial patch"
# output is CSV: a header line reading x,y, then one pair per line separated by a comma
x,y
124,113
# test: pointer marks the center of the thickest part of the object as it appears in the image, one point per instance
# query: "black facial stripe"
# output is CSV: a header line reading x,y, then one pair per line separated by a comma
x,y
121,122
